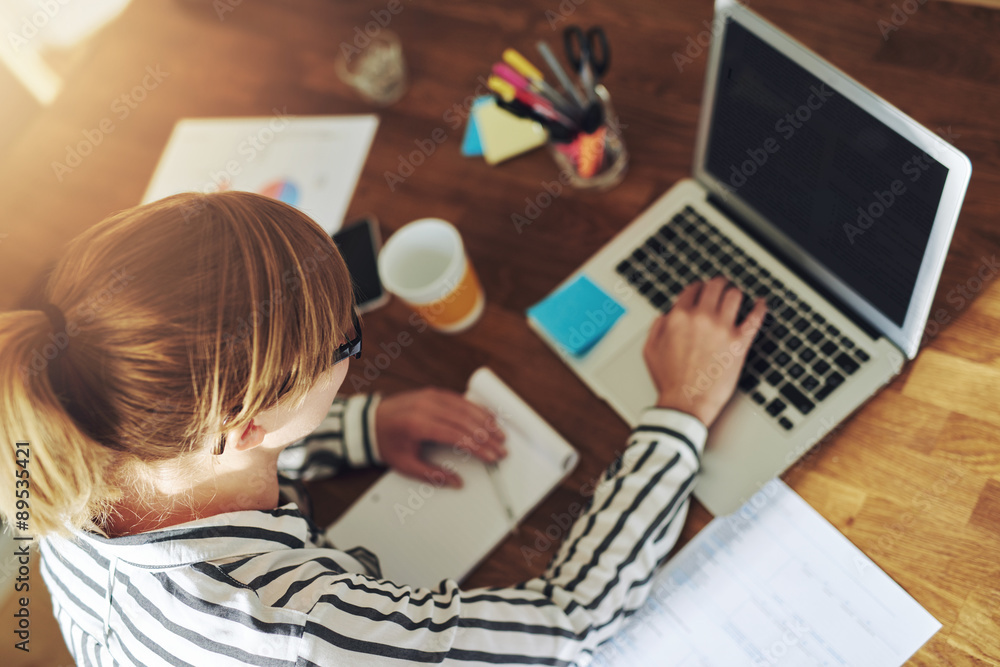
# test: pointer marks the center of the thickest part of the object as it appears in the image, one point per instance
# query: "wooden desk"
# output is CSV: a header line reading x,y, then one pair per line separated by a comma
x,y
913,479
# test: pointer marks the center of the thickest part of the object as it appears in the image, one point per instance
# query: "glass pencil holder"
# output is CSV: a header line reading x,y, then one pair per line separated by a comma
x,y
596,160
377,71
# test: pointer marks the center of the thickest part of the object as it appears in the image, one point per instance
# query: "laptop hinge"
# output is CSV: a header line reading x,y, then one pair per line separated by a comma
x,y
805,277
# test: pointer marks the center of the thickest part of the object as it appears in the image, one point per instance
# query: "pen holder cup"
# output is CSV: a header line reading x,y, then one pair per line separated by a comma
x,y
377,70
597,160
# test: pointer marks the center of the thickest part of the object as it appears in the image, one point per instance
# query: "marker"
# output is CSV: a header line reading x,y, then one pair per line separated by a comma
x,y
521,64
508,92
558,132
505,71
535,78
505,89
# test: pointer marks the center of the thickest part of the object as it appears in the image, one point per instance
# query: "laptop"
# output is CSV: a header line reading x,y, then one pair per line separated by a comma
x,y
807,190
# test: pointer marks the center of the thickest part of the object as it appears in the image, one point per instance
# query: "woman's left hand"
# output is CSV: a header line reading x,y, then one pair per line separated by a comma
x,y
405,421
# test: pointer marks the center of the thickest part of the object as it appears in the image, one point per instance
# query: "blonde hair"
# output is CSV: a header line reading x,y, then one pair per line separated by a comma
x,y
177,312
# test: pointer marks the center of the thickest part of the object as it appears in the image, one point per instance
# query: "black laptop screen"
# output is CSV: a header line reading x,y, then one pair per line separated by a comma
x,y
841,184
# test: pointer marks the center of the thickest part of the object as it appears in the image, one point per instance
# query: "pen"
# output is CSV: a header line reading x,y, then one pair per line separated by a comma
x,y
491,469
560,73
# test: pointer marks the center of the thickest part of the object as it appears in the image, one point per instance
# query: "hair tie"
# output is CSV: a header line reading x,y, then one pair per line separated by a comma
x,y
56,317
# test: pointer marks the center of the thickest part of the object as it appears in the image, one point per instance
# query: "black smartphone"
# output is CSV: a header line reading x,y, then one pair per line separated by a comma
x,y
359,243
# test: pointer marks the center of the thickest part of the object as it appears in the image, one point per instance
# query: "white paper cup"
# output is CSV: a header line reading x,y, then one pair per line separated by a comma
x,y
424,264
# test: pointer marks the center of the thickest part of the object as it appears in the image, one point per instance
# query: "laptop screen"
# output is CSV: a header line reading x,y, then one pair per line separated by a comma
x,y
850,191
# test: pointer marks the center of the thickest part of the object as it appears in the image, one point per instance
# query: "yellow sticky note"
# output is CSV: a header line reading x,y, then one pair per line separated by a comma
x,y
504,135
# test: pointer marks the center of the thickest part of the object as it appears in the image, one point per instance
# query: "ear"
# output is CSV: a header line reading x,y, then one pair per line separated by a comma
x,y
250,437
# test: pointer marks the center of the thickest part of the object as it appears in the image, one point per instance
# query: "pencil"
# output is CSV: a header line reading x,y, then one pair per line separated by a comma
x,y
501,491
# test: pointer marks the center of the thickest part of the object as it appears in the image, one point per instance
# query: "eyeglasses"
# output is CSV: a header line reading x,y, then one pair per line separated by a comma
x,y
352,348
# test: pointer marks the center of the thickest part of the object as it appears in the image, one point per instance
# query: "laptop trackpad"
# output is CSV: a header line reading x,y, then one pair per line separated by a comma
x,y
623,380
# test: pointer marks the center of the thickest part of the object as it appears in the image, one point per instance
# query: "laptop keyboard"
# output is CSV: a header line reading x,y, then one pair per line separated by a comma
x,y
797,358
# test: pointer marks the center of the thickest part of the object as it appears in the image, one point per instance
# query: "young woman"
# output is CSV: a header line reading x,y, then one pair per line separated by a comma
x,y
181,382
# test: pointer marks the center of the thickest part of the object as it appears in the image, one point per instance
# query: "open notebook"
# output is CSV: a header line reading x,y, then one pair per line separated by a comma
x,y
422,533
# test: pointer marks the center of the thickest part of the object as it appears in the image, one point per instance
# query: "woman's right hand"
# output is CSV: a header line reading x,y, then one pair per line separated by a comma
x,y
695,351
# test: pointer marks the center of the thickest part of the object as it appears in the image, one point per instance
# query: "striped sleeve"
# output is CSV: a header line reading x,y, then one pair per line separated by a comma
x,y
600,574
344,439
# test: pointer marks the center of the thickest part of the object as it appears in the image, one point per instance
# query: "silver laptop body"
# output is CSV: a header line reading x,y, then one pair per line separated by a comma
x,y
863,331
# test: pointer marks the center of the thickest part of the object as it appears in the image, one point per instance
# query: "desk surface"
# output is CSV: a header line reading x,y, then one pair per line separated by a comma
x,y
913,479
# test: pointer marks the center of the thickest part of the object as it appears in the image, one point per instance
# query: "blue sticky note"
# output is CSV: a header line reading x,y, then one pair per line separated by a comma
x,y
577,316
471,143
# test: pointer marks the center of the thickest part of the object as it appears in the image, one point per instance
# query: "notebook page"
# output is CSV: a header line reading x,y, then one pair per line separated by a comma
x,y
538,457
422,533
772,584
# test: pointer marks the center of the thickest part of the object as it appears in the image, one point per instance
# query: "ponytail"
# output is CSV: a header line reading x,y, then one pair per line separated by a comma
x,y
65,468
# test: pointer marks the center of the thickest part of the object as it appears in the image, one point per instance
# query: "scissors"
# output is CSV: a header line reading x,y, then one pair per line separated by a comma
x,y
588,54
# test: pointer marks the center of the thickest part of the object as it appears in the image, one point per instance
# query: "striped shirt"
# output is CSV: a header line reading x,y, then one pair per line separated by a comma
x,y
265,587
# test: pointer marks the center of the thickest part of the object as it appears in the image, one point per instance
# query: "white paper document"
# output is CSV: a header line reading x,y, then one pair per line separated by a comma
x,y
773,584
310,162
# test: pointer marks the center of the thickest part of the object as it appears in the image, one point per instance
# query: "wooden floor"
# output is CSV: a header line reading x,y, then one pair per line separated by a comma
x,y
913,479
